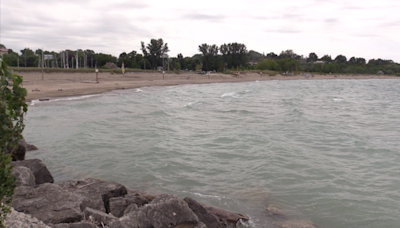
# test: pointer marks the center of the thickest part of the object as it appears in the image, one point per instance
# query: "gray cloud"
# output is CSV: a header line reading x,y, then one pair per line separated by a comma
x,y
284,30
204,17
331,20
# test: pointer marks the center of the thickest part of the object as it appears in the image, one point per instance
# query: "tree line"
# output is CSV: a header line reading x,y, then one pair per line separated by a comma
x,y
210,57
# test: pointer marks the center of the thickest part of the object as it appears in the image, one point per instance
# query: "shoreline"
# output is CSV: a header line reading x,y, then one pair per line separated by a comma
x,y
55,85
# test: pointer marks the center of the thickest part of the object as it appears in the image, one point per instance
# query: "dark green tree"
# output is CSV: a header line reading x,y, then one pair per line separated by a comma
x,y
154,51
312,57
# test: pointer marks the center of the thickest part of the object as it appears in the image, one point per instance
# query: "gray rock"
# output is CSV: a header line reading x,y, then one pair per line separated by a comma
x,y
83,224
275,211
225,215
24,176
21,220
119,204
28,147
48,203
130,208
39,170
96,193
99,218
208,219
17,152
164,211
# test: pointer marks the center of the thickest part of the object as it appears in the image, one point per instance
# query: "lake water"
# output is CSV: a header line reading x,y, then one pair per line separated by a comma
x,y
327,151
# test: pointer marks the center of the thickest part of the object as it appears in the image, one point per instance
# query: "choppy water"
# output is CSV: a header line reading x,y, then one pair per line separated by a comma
x,y
321,150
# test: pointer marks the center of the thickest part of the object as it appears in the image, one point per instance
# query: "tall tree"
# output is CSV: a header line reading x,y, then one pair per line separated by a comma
x,y
154,51
312,57
341,59
209,53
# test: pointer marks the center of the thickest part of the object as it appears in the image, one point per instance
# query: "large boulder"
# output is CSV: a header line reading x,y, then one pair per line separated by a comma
x,y
48,203
225,215
20,220
96,193
208,219
164,211
38,168
119,205
24,176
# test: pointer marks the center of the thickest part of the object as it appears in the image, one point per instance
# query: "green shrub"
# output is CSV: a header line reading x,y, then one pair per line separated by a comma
x,y
12,110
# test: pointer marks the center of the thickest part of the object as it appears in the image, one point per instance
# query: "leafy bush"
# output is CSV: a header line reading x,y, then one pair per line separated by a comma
x,y
12,110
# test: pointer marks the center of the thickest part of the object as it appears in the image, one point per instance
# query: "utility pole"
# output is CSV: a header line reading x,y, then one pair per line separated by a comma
x,y
77,59
42,63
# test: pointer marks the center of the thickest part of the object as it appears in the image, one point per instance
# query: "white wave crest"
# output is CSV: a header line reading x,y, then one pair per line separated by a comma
x,y
139,90
33,102
231,94
337,99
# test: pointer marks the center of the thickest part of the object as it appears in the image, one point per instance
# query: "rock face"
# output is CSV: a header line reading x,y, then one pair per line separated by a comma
x,y
106,203
96,193
164,211
123,205
24,176
39,170
48,203
100,218
208,219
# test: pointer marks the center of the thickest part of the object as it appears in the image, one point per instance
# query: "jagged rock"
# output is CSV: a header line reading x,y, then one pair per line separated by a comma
x,y
130,208
24,176
39,170
99,218
119,204
17,153
208,219
21,220
226,215
48,203
83,224
96,193
164,211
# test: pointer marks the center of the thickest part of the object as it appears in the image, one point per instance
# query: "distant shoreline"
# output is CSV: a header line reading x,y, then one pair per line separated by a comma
x,y
77,84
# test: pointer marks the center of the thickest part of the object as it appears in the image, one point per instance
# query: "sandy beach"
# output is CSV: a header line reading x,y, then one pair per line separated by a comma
x,y
76,84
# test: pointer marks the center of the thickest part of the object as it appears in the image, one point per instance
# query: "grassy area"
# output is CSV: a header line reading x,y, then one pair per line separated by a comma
x,y
264,72
80,70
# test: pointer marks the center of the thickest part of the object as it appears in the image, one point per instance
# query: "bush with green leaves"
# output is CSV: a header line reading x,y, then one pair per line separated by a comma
x,y
12,110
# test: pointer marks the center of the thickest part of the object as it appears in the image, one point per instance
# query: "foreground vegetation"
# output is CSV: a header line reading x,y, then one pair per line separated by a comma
x,y
12,110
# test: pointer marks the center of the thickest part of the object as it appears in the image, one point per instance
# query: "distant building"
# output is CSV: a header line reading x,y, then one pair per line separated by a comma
x,y
110,65
3,51
252,63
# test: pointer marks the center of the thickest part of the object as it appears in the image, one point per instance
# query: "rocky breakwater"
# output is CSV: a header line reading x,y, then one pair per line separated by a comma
x,y
89,202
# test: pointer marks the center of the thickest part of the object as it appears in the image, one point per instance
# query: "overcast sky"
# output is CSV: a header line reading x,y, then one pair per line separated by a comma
x,y
360,28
